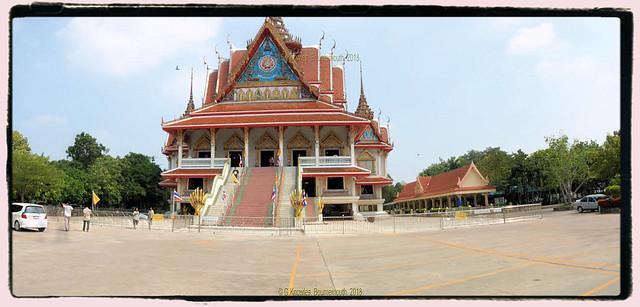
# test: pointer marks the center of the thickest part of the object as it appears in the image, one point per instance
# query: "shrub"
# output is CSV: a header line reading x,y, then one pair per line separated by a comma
x,y
613,190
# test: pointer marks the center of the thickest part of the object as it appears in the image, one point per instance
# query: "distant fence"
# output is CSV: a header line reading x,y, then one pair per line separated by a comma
x,y
398,223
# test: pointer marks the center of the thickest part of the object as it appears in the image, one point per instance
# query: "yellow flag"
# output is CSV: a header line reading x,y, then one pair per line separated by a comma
x,y
94,198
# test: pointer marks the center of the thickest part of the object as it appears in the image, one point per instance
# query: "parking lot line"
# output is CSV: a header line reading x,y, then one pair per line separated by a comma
x,y
292,278
534,259
461,280
600,287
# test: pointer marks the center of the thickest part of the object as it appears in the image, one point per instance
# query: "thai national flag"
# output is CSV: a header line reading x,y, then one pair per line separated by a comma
x,y
304,198
177,196
273,194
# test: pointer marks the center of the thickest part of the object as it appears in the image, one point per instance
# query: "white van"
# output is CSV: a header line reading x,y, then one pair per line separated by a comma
x,y
28,216
589,202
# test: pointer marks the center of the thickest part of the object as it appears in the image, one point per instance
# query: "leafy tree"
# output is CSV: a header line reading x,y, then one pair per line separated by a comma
x,y
140,176
569,166
20,142
495,164
105,179
85,150
607,158
389,192
33,177
76,182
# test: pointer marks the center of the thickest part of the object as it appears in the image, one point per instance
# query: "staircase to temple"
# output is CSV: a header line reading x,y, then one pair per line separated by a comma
x,y
253,204
285,211
310,209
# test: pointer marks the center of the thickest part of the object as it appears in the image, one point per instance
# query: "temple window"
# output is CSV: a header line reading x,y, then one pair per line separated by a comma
x,y
195,183
335,183
366,190
204,154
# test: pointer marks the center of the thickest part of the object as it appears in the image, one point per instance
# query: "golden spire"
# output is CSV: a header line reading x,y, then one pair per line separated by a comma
x,y
190,105
363,109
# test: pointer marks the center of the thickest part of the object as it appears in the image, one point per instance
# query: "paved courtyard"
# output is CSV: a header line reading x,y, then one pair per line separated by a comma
x,y
564,253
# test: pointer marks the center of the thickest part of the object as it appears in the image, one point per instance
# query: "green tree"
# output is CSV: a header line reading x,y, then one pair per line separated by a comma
x,y
495,164
141,176
105,179
76,183
607,158
390,192
569,166
20,142
33,177
85,150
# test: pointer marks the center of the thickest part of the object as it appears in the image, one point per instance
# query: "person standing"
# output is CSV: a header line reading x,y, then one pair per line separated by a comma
x,y
87,218
67,215
136,217
150,213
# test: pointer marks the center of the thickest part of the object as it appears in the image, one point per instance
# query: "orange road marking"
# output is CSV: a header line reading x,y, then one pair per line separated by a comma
x,y
461,280
600,287
292,279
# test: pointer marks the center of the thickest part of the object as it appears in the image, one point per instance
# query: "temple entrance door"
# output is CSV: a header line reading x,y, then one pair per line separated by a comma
x,y
296,154
235,158
309,186
267,158
331,152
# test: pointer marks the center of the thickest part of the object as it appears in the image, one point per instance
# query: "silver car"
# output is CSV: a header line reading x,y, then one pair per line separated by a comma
x,y
589,202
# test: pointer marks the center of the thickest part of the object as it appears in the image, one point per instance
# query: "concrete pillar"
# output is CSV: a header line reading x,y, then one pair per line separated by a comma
x,y
180,137
475,200
281,146
212,136
317,144
246,147
449,201
486,199
352,145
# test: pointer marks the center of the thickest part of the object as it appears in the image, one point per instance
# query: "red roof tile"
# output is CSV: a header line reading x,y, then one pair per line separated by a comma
x,y
265,120
236,56
191,173
374,181
168,183
384,134
443,183
223,75
338,85
325,74
211,87
307,60
335,171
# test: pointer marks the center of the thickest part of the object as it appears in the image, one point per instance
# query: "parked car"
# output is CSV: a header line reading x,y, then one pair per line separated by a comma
x,y
610,202
589,202
28,216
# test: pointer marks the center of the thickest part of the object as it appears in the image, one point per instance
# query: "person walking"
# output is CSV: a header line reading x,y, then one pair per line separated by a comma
x,y
67,215
150,214
87,218
136,217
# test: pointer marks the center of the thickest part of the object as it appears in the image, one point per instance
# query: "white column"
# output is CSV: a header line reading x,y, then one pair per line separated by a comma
x,y
475,200
180,135
246,147
281,145
212,135
352,145
486,199
317,144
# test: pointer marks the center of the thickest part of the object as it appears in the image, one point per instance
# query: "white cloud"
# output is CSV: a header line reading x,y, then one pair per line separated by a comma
x,y
124,46
532,39
579,65
49,120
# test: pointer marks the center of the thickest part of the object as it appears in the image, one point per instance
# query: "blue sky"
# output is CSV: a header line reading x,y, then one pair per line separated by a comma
x,y
448,85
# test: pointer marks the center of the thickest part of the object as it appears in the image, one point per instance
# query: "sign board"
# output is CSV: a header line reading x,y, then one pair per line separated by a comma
x,y
461,215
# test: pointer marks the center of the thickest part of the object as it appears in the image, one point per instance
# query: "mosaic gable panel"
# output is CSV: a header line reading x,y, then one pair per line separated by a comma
x,y
267,65
368,136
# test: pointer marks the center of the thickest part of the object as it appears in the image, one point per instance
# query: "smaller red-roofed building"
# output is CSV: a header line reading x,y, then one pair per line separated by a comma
x,y
461,186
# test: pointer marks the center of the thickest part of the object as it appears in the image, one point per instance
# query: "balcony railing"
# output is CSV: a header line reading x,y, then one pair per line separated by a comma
x,y
202,162
325,161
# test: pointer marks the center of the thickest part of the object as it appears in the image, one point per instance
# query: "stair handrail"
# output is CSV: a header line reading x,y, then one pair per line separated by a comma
x,y
216,186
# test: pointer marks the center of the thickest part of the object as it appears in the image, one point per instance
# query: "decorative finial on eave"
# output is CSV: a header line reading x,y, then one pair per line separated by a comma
x,y
320,43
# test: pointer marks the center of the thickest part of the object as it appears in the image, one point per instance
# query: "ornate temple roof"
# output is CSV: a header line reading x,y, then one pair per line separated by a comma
x,y
446,183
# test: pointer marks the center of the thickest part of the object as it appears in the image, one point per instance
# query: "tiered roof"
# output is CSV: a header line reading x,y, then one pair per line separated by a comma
x,y
463,179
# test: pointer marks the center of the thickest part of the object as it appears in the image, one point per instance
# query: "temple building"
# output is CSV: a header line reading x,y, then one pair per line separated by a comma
x,y
461,186
276,113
